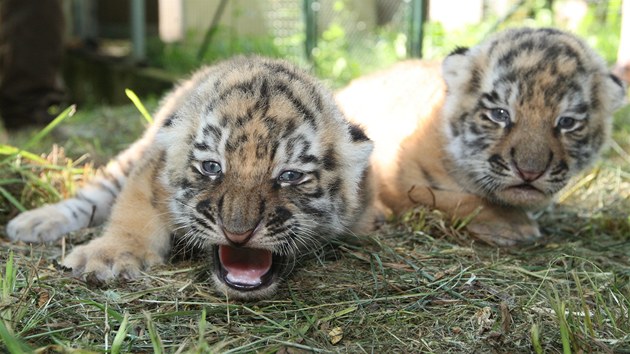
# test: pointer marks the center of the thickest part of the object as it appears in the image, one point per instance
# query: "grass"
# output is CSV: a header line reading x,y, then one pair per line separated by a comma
x,y
418,285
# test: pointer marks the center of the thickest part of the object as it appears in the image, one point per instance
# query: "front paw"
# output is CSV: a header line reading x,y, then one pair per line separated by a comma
x,y
507,229
107,259
45,224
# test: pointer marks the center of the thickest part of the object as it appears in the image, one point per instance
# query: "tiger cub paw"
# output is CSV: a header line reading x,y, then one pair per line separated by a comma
x,y
106,260
45,224
513,229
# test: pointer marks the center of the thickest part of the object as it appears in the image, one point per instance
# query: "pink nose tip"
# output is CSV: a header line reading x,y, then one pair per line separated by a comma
x,y
529,176
238,238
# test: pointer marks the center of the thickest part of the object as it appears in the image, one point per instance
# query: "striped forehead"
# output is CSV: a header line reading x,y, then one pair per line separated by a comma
x,y
551,51
259,119
536,67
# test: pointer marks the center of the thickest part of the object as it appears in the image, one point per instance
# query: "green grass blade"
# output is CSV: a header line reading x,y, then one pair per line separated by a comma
x,y
16,203
12,151
110,312
535,335
13,345
588,324
202,328
560,308
8,281
156,341
136,102
68,112
120,335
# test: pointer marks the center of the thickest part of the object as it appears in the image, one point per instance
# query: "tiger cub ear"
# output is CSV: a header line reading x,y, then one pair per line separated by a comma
x,y
615,89
456,68
361,148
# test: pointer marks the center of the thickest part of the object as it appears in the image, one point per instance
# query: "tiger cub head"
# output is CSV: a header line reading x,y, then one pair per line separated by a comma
x,y
262,168
524,112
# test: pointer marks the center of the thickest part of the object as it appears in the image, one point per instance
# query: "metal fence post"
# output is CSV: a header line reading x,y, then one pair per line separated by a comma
x,y
416,23
138,30
310,19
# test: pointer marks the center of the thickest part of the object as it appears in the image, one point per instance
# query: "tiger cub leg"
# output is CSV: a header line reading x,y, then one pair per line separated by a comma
x,y
494,224
90,207
136,237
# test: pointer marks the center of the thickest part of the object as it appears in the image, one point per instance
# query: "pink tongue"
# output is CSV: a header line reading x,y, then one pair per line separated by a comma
x,y
245,265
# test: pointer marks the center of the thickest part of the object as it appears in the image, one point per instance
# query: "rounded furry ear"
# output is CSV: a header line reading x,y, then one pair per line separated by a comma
x,y
456,68
616,91
362,146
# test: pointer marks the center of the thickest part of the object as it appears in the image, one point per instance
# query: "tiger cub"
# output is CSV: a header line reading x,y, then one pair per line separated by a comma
x,y
496,135
250,159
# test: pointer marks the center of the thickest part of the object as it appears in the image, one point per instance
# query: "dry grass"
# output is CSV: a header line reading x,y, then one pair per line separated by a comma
x,y
418,285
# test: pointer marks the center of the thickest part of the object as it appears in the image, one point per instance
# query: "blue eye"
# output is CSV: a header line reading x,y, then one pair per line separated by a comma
x,y
566,123
210,168
290,176
500,115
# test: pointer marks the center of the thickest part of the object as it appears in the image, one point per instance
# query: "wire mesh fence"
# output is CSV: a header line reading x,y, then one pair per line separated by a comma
x,y
343,39
339,39
354,37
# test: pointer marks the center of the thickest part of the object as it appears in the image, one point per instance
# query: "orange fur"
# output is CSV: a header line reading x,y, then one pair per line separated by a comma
x,y
482,137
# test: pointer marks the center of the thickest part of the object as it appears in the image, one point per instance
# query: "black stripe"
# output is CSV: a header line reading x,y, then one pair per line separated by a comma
x,y
281,215
330,159
84,212
334,187
308,159
617,81
475,80
106,187
262,104
497,160
204,223
311,210
261,149
357,133
308,115
430,180
277,68
220,204
318,193
246,88
459,51
169,120
289,128
201,146
83,197
213,131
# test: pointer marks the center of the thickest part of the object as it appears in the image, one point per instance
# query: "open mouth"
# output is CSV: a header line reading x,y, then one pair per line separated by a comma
x,y
245,269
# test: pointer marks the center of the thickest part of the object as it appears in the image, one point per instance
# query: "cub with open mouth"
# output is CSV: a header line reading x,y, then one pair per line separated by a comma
x,y
250,159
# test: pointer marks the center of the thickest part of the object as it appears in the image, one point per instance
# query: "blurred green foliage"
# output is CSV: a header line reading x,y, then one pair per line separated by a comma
x,y
600,27
182,57
342,54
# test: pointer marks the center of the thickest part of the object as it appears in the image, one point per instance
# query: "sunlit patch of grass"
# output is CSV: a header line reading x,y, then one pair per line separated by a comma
x,y
28,180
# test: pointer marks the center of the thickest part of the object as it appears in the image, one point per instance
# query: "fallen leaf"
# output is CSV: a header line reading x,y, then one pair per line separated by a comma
x,y
335,335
